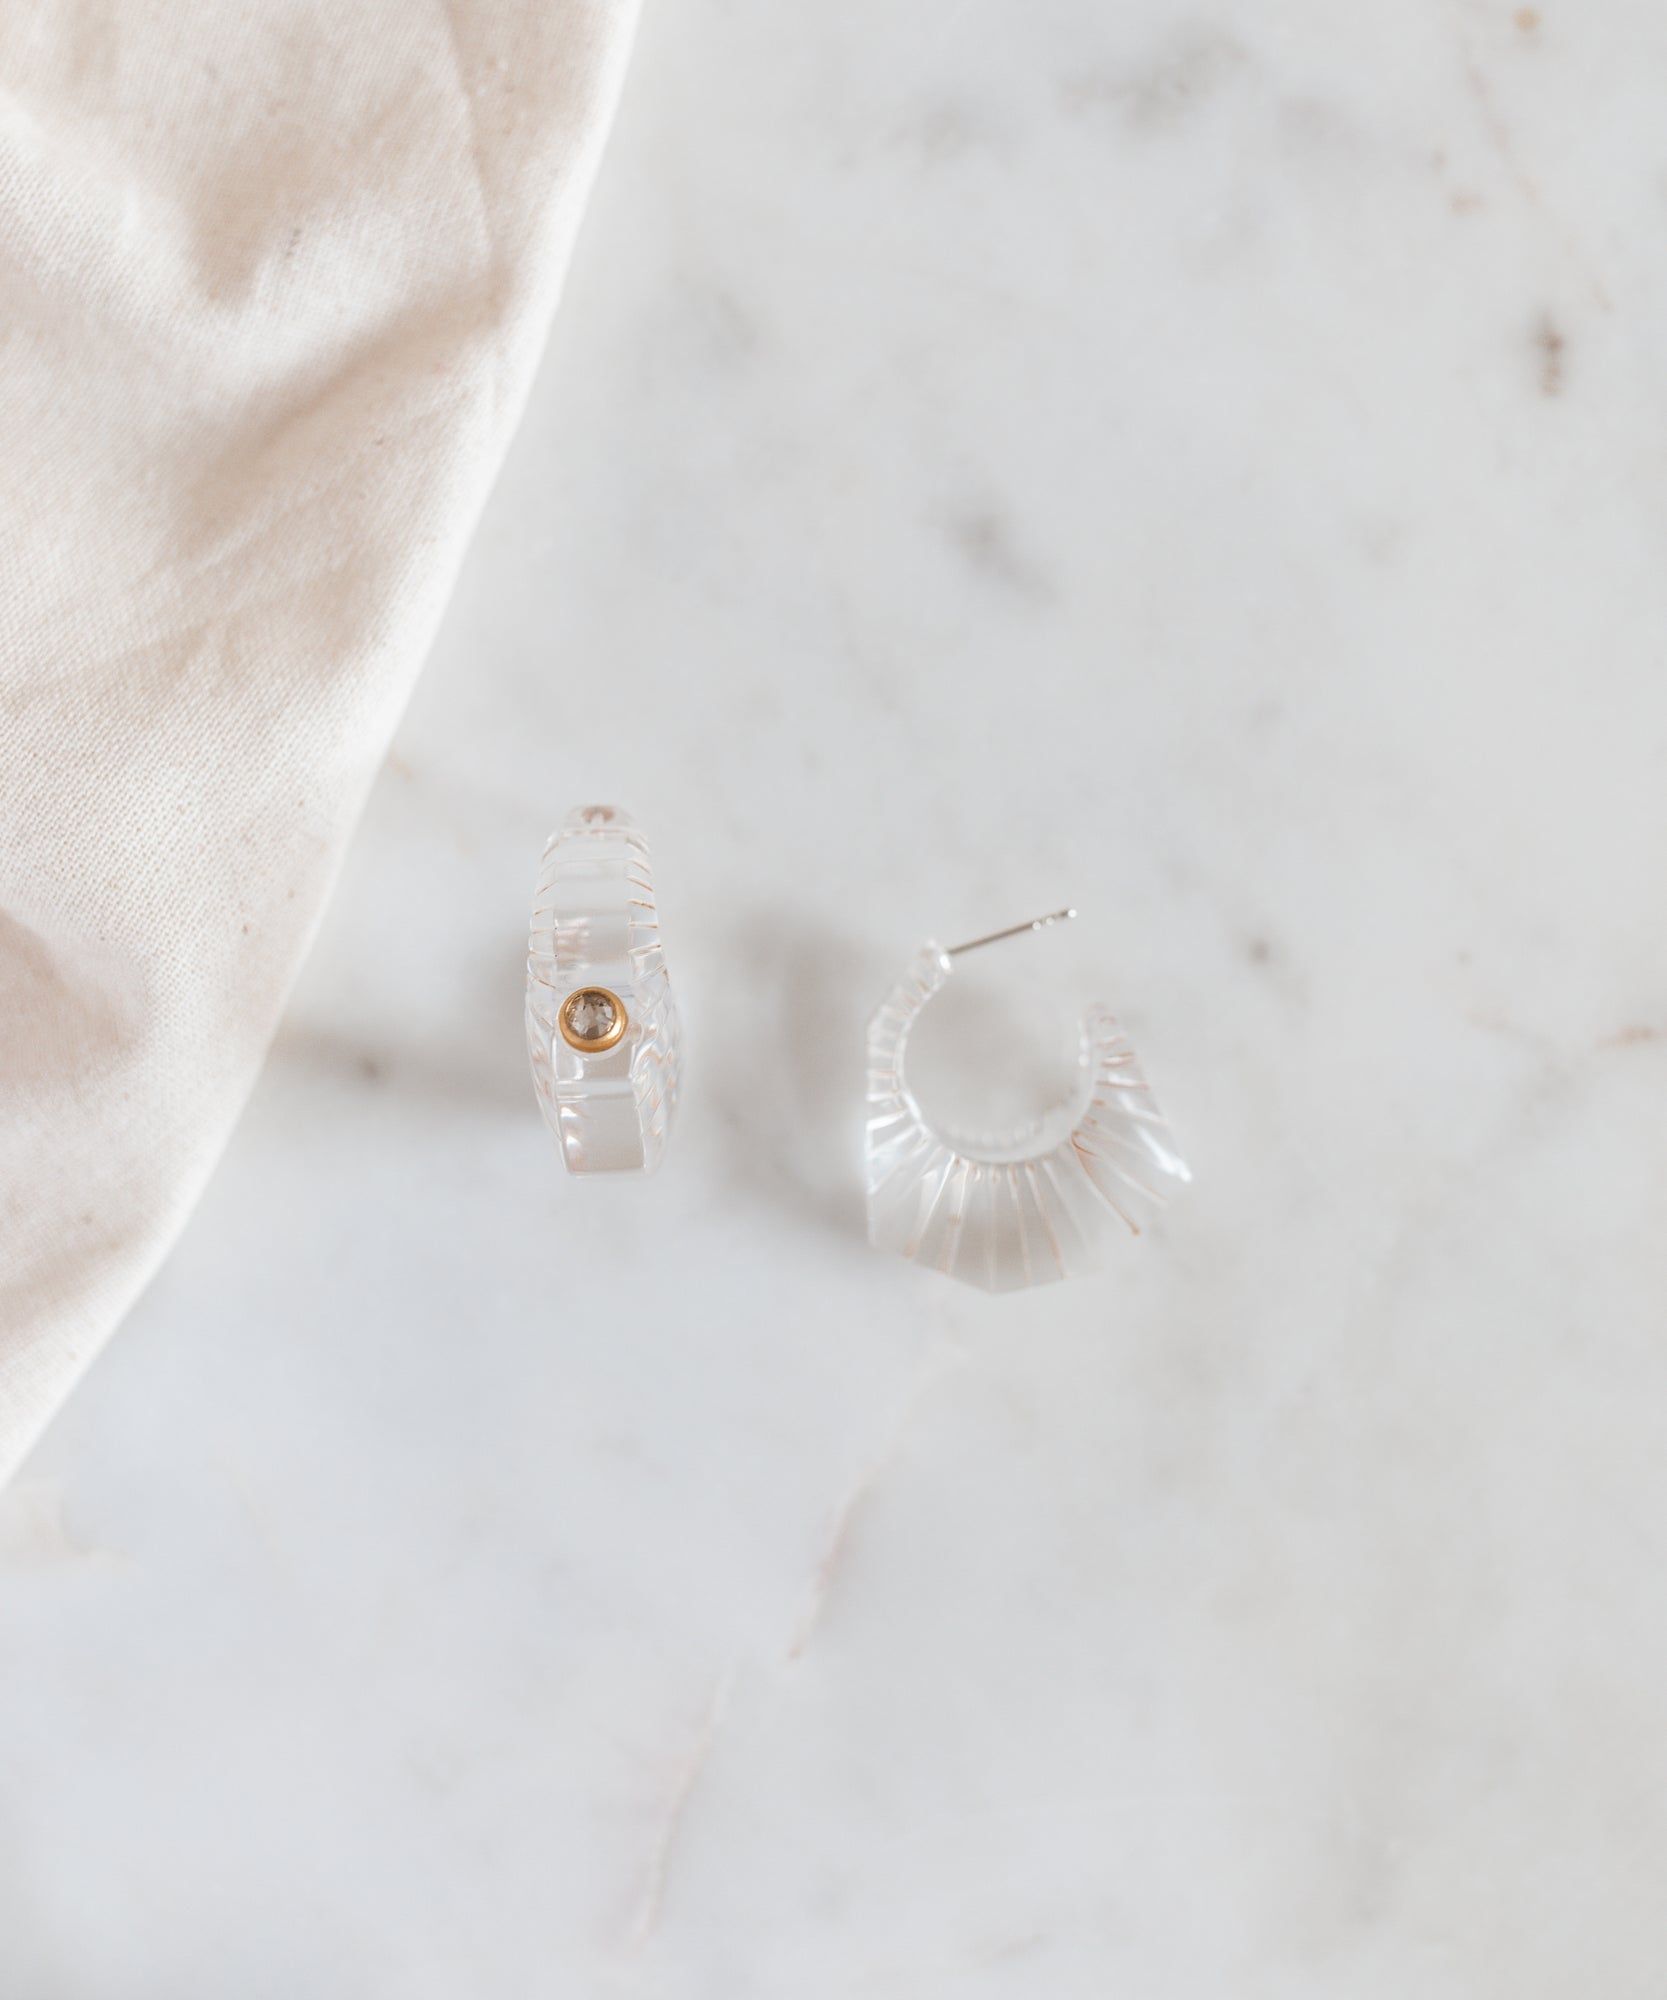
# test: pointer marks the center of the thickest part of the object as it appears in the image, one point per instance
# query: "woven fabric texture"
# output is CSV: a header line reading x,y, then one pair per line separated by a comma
x,y
273,282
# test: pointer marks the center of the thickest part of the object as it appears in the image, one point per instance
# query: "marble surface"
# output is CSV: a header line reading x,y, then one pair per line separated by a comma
x,y
1206,465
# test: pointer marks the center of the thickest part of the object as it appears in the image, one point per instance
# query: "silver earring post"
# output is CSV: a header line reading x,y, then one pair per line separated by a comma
x,y
1012,931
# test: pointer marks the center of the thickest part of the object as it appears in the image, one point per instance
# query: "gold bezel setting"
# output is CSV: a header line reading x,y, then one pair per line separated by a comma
x,y
592,1045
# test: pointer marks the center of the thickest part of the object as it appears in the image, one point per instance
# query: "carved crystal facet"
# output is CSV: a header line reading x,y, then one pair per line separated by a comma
x,y
1006,1216
595,933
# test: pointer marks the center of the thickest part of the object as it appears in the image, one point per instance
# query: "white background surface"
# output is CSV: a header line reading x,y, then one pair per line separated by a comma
x,y
1206,466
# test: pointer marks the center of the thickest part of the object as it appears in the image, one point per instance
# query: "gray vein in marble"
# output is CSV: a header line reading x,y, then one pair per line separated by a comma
x,y
1156,96
1503,141
938,1362
653,1894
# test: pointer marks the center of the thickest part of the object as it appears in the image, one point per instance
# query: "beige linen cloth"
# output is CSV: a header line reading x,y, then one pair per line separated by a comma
x,y
274,275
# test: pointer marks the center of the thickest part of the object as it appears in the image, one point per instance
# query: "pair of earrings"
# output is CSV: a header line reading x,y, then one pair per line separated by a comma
x,y
1001,1213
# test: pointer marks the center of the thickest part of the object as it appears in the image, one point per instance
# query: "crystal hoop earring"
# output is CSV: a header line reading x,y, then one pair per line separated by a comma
x,y
1025,1208
602,1030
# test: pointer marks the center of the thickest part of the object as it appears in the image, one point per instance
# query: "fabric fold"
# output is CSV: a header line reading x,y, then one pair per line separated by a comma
x,y
273,283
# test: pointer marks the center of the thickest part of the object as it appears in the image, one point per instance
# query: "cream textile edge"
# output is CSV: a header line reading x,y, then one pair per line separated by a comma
x,y
273,285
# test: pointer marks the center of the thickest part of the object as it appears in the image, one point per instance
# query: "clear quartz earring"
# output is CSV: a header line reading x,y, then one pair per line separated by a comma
x,y
602,1029
1023,1208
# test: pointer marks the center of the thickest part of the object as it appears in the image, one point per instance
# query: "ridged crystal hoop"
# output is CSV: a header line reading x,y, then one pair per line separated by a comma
x,y
1004,1214
602,1029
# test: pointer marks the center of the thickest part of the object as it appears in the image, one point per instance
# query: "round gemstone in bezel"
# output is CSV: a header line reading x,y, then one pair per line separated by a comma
x,y
592,1019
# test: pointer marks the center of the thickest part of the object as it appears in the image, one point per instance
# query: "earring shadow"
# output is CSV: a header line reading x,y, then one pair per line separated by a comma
x,y
790,1093
477,1063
